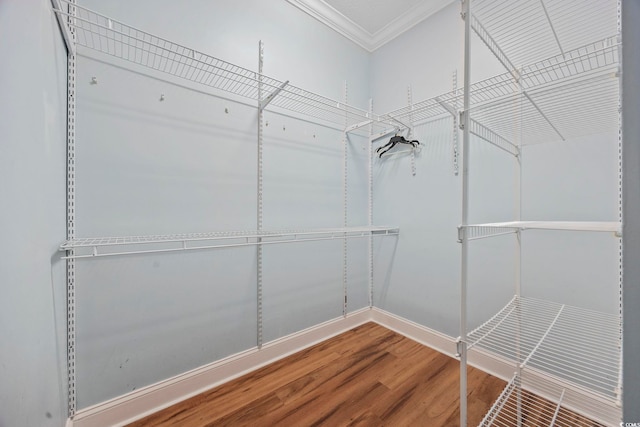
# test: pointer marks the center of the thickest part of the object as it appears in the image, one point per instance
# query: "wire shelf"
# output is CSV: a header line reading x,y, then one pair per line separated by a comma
x,y
128,245
528,31
561,97
571,344
518,405
481,231
101,33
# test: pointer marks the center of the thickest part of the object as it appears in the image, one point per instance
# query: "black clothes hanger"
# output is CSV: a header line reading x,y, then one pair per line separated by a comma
x,y
398,139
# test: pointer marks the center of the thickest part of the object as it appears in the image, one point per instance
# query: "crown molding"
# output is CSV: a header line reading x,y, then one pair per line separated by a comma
x,y
329,16
406,21
335,20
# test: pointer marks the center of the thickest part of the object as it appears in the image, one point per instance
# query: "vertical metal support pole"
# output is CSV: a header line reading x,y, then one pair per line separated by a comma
x,y
410,131
518,254
260,188
465,213
345,189
71,216
454,145
370,200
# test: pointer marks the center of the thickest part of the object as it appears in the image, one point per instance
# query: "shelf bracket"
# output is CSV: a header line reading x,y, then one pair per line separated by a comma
x,y
493,47
358,126
446,106
272,95
460,233
553,29
66,33
402,124
384,133
544,116
493,138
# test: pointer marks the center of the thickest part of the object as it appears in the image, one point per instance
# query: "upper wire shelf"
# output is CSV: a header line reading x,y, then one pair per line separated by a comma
x,y
127,245
570,344
480,231
101,33
525,32
561,97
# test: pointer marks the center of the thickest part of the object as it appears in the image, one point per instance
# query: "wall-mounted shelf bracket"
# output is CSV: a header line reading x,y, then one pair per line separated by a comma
x,y
493,47
447,107
66,33
385,133
544,116
402,124
493,138
358,126
272,95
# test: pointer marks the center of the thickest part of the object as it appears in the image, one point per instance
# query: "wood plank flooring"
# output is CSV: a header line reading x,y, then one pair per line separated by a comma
x,y
368,376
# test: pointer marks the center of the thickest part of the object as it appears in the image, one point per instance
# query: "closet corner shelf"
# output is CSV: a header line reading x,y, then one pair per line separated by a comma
x,y
546,403
129,245
572,346
481,231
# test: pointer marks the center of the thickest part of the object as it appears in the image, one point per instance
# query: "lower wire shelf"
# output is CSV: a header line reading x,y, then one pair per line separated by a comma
x,y
128,245
523,402
563,354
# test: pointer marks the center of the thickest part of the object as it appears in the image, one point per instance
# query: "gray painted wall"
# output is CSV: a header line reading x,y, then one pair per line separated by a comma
x,y
32,173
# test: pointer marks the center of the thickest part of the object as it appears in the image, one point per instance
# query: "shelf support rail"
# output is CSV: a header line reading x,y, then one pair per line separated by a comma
x,y
272,95
260,193
71,209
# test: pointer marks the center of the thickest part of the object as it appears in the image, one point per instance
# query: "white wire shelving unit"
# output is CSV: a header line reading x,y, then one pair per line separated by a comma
x,y
562,62
95,32
94,35
128,245
99,33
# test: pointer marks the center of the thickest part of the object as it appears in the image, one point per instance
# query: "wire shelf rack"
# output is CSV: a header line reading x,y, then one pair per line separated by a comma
x,y
563,96
528,31
481,231
100,33
128,245
570,344
526,401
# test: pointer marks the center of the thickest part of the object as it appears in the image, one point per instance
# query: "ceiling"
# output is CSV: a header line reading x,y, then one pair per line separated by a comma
x,y
370,23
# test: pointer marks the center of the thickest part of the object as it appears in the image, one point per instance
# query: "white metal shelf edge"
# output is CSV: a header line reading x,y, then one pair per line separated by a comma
x,y
127,245
480,231
100,33
566,342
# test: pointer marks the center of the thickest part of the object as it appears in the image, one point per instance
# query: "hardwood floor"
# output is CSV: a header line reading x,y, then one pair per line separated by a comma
x,y
369,376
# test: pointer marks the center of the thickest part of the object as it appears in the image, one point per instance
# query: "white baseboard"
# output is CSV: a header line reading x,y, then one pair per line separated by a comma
x,y
147,400
429,337
443,343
